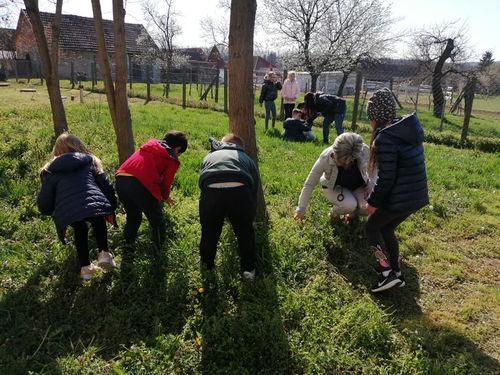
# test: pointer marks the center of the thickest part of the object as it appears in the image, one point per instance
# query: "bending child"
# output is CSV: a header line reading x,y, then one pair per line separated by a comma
x,y
76,191
144,180
398,153
229,181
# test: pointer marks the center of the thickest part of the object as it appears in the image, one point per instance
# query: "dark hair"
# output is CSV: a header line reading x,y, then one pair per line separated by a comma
x,y
309,100
233,138
175,139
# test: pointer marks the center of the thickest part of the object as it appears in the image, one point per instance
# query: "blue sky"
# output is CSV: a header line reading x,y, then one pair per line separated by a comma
x,y
481,16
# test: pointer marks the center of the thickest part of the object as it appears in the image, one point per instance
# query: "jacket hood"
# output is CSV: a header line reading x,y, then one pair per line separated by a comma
x,y
216,145
159,148
69,162
406,128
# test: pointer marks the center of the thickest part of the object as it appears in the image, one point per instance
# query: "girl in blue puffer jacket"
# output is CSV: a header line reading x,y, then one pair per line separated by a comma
x,y
397,152
76,191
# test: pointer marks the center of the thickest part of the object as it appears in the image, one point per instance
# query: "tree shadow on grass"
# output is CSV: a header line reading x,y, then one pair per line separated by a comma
x,y
54,314
242,326
446,348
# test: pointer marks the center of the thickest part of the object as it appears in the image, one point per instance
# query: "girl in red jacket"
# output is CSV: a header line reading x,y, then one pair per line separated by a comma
x,y
143,181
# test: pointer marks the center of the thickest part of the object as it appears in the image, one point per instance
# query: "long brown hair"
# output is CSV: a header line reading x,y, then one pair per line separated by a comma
x,y
66,143
372,163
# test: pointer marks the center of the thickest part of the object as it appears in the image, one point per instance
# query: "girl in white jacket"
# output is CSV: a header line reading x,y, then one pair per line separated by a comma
x,y
342,170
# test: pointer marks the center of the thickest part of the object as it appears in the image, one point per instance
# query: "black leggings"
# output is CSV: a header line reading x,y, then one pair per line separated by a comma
x,y
81,230
238,205
380,231
137,199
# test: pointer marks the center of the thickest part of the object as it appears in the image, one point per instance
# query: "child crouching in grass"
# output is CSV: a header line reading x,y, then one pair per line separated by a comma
x,y
76,191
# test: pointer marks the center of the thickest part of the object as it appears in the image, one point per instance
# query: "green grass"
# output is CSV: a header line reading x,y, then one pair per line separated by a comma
x,y
309,310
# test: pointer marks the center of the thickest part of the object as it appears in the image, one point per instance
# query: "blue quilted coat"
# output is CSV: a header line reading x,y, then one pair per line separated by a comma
x,y
402,180
73,190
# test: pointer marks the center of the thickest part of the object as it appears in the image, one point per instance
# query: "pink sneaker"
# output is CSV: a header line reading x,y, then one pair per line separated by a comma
x,y
105,260
86,272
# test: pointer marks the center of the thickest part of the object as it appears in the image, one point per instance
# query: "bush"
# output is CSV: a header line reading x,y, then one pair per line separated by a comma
x,y
485,144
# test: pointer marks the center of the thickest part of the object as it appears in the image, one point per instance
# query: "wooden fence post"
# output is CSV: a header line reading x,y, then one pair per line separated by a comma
x,y
355,107
282,106
148,83
130,73
225,90
470,89
217,87
72,75
416,99
184,88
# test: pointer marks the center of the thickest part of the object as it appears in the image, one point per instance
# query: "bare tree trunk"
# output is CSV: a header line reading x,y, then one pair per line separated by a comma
x,y
340,91
469,91
437,75
115,94
314,80
49,60
241,116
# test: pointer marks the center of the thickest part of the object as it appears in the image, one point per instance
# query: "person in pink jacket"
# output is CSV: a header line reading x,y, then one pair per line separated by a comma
x,y
290,92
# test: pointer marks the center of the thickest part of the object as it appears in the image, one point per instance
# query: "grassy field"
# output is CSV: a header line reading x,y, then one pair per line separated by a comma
x,y
308,312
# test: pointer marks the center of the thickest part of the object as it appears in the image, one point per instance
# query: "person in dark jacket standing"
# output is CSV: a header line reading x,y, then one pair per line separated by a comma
x,y
296,129
332,107
268,95
397,152
76,191
143,182
229,182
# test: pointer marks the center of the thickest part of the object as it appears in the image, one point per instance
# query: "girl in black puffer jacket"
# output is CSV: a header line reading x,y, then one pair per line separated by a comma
x,y
401,189
76,191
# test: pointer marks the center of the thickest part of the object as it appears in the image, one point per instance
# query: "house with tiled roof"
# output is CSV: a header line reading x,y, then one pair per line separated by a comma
x,y
77,42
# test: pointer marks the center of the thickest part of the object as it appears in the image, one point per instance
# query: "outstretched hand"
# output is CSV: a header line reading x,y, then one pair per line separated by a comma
x,y
299,216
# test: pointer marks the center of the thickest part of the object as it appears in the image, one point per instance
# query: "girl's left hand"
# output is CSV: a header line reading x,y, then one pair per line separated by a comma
x,y
370,209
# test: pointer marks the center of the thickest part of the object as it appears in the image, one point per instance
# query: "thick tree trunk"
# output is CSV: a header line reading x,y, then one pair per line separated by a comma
x,y
124,136
340,91
314,81
437,75
116,96
49,61
241,116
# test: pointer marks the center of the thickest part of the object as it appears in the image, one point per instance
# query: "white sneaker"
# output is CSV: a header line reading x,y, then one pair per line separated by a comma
x,y
105,260
86,272
249,275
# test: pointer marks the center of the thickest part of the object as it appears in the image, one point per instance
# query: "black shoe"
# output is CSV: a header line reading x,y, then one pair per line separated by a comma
x,y
400,276
383,271
386,283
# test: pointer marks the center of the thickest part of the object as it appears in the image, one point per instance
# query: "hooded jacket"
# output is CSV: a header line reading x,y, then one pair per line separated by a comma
x,y
329,104
290,91
228,162
154,165
73,190
402,180
269,91
294,130
325,171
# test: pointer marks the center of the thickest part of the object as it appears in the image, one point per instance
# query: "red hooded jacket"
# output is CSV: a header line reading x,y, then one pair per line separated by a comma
x,y
154,165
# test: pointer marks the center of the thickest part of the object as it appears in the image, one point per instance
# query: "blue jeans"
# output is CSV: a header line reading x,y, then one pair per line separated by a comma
x,y
338,118
270,111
